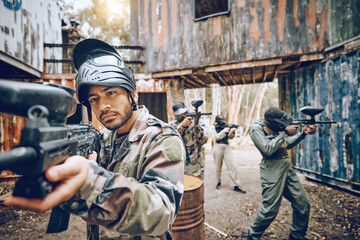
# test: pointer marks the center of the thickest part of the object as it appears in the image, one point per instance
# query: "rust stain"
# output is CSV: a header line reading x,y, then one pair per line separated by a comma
x,y
164,26
266,5
295,13
146,22
254,30
280,19
155,34
216,26
324,29
310,13
150,85
241,3
174,23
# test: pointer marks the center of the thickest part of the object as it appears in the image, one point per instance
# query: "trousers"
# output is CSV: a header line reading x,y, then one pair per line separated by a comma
x,y
222,153
279,180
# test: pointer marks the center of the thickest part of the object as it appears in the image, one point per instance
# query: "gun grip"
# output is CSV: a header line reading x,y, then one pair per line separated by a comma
x,y
59,220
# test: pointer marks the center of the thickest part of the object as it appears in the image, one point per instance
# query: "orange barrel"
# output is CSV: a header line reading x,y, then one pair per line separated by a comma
x,y
189,223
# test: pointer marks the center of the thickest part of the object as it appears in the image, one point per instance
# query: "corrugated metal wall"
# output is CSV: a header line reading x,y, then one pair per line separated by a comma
x,y
254,29
333,154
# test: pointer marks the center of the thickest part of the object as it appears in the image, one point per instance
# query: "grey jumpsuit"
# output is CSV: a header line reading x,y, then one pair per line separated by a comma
x,y
278,179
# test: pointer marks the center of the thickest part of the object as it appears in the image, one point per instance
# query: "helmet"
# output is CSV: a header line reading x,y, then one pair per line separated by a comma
x,y
276,119
220,119
74,22
100,64
179,108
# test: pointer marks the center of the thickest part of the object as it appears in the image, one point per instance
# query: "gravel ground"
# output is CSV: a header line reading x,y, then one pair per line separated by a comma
x,y
335,213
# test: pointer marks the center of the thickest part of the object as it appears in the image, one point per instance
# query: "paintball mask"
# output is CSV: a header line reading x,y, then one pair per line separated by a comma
x,y
100,64
276,119
220,120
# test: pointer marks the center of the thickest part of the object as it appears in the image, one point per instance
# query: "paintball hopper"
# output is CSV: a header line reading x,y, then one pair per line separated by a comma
x,y
196,102
311,111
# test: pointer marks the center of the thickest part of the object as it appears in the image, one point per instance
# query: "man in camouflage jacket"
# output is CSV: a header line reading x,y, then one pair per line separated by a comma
x,y
194,137
135,189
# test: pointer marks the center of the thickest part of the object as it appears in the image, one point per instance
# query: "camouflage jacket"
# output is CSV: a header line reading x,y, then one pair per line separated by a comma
x,y
136,191
194,138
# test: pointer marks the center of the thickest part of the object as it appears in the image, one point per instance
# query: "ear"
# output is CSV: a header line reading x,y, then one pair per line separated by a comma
x,y
135,96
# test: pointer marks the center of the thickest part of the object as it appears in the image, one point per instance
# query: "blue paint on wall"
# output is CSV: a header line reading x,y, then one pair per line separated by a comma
x,y
333,154
12,5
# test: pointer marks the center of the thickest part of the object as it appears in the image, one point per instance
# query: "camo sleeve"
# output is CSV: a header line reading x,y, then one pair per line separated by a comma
x,y
136,207
201,134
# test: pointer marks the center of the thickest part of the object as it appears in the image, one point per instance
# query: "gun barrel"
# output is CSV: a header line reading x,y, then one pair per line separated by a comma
x,y
309,122
18,159
197,114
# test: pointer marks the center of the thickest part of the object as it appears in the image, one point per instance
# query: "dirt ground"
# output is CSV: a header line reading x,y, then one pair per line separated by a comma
x,y
335,214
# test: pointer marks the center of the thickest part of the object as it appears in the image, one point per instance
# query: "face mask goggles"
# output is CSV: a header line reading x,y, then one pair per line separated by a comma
x,y
103,58
279,124
221,121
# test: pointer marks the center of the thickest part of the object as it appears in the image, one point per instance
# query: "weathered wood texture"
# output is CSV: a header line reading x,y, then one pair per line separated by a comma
x,y
253,30
23,32
333,154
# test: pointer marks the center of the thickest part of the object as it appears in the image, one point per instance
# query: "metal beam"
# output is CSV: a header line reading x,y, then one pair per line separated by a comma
x,y
172,73
187,80
198,79
58,76
249,64
220,78
17,63
275,73
232,77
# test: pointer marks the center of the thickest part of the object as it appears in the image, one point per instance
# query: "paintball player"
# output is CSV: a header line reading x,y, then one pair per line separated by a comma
x,y
194,137
75,35
273,136
135,189
222,152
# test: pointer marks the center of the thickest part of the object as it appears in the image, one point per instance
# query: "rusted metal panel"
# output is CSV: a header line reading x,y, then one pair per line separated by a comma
x,y
331,155
255,29
24,29
344,11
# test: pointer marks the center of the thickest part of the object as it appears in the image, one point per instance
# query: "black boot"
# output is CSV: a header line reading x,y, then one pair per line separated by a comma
x,y
239,189
291,237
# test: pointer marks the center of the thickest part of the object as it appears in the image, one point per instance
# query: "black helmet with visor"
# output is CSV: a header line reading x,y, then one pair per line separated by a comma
x,y
100,64
276,119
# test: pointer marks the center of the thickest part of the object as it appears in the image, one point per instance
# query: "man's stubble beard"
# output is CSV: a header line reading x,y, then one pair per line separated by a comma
x,y
123,119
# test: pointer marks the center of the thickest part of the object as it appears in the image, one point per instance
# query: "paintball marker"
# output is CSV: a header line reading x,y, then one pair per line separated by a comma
x,y
231,126
312,112
45,141
196,102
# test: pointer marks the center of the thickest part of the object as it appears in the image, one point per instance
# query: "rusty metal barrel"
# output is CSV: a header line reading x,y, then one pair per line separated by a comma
x,y
189,223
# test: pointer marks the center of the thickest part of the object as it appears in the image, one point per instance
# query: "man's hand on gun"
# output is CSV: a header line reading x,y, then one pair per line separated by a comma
x,y
71,175
310,129
186,122
291,129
